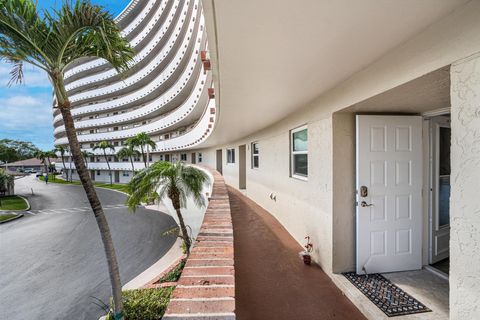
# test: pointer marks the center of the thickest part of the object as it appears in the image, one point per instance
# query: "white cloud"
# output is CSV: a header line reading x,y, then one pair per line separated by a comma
x,y
22,112
33,76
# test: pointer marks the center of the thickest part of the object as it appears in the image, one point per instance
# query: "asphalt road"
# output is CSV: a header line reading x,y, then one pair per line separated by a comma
x,y
52,261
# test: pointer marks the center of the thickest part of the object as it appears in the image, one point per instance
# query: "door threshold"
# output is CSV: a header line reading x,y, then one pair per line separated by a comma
x,y
437,272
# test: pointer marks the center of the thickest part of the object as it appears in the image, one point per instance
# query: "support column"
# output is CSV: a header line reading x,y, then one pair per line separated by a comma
x,y
465,192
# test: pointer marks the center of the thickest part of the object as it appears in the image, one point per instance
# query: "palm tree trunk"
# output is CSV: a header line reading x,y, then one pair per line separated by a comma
x,y
183,228
143,156
108,165
133,167
92,196
64,166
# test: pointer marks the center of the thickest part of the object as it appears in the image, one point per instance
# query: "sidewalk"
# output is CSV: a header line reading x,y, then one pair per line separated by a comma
x,y
270,279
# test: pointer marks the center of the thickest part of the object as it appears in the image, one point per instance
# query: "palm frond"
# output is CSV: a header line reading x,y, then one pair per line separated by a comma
x,y
16,73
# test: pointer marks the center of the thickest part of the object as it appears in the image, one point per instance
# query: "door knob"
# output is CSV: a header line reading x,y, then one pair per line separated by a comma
x,y
364,204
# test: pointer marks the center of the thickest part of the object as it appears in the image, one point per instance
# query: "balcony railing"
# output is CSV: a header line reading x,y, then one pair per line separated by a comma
x,y
138,76
156,42
194,100
190,139
99,62
163,99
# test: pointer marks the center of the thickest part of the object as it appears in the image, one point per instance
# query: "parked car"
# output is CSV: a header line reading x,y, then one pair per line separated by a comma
x,y
39,174
29,170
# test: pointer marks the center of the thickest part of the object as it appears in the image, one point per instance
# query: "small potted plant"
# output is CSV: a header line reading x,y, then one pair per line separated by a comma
x,y
307,258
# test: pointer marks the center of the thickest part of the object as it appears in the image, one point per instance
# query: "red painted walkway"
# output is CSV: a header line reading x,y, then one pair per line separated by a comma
x,y
271,282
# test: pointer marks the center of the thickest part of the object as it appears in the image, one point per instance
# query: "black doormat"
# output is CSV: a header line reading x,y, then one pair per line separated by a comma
x,y
392,300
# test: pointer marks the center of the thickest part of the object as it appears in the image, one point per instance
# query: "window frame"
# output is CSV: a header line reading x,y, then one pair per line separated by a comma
x,y
231,159
183,157
293,153
253,155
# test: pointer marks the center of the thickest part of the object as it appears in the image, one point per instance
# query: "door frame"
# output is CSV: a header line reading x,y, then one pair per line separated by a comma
x,y
432,185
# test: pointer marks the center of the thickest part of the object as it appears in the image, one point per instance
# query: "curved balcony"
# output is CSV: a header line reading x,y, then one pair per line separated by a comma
x,y
194,100
137,96
135,80
188,140
167,18
127,26
134,42
152,109
163,77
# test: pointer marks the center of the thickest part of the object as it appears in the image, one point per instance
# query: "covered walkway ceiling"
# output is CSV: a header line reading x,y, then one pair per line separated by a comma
x,y
272,57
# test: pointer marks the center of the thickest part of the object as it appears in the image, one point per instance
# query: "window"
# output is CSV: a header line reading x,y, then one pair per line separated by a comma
x,y
98,172
183,157
255,155
299,152
161,157
230,155
200,157
126,174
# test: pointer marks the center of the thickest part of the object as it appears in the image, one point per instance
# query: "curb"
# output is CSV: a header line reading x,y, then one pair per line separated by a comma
x,y
18,216
151,273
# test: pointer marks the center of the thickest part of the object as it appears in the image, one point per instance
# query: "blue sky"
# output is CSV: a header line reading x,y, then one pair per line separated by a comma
x,y
25,110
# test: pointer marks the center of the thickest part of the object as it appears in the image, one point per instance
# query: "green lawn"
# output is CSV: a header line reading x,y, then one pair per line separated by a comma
x,y
115,186
7,216
13,203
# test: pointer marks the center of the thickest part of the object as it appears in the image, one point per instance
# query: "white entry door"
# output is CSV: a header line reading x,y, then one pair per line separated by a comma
x,y
389,193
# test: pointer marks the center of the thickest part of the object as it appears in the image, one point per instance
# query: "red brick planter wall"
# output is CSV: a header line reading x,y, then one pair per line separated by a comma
x,y
206,288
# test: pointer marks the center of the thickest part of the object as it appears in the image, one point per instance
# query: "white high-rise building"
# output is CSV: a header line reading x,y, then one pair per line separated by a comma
x,y
167,93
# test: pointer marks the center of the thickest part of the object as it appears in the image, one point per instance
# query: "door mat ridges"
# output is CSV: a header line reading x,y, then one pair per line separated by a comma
x,y
389,298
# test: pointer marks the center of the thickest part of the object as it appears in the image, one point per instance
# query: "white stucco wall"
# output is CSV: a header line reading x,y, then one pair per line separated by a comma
x,y
465,195
303,207
323,207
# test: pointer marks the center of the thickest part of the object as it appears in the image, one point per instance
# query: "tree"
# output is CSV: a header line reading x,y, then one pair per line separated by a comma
x,y
104,145
48,155
52,42
128,152
86,154
173,180
41,155
5,181
61,149
143,141
15,150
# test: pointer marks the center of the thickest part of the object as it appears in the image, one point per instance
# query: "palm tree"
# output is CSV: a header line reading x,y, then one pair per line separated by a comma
x,y
128,152
61,149
86,154
40,155
173,180
104,145
48,155
52,42
143,141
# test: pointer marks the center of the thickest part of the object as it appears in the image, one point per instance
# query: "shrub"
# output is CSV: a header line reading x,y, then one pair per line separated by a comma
x,y
145,304
174,275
